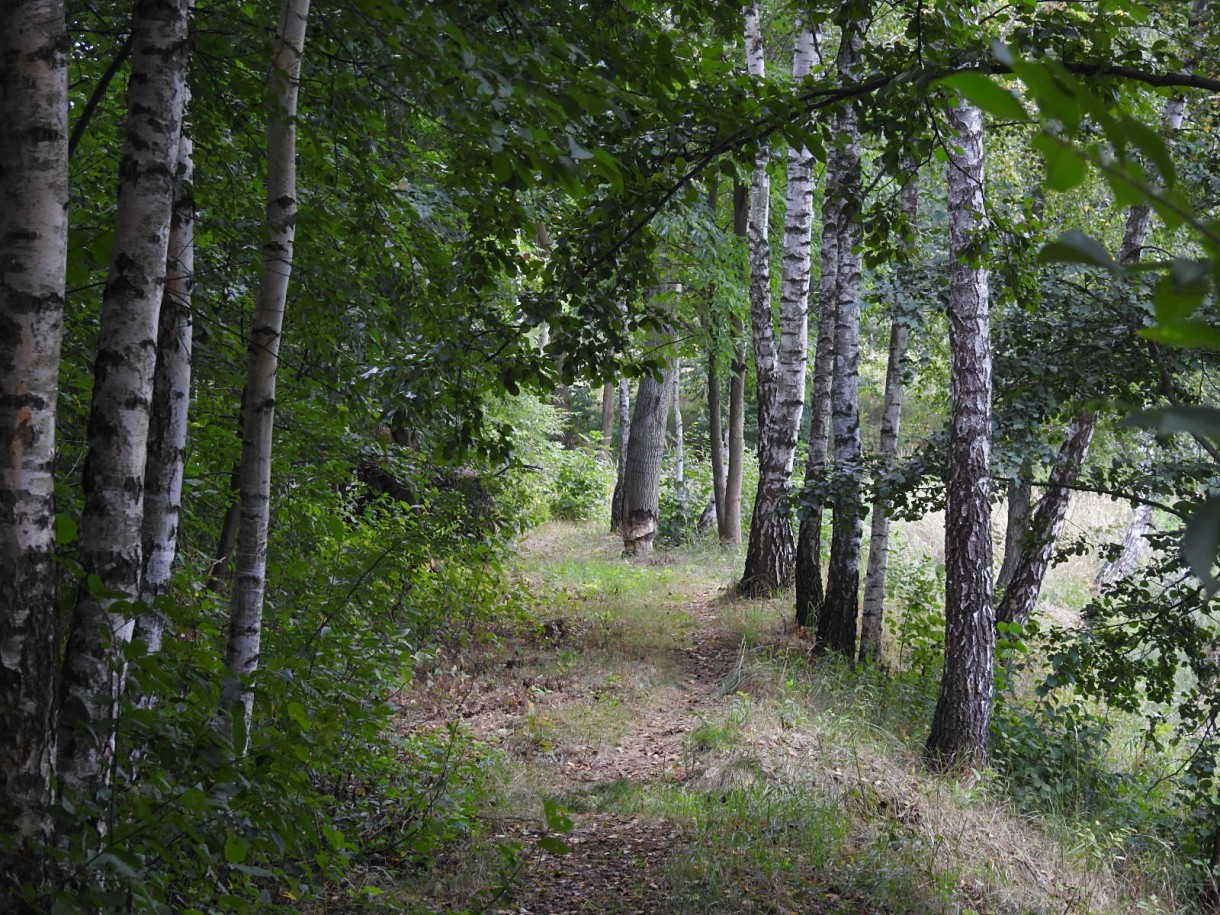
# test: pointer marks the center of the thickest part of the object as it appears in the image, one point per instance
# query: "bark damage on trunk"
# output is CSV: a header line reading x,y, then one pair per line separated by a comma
x,y
642,474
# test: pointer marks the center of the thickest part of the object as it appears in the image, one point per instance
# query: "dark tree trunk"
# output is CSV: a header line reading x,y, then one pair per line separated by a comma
x,y
642,474
959,735
624,441
1020,513
838,619
1021,595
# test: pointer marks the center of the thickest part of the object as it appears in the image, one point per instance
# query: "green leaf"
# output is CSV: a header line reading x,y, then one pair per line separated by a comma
x,y
1200,542
555,815
296,712
1189,334
988,95
66,529
1065,167
1203,421
1182,290
236,849
553,845
1075,247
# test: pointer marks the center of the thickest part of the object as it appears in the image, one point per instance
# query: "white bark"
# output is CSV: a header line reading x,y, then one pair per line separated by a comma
x,y
963,710
246,607
873,615
679,430
837,622
1135,545
780,370
33,260
110,533
170,406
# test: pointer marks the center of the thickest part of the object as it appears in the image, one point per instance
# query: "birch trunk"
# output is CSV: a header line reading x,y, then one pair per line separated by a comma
x,y
780,372
838,620
167,423
873,616
33,260
1021,595
1020,512
679,429
1134,546
608,397
963,710
642,474
109,549
715,433
730,524
249,584
624,440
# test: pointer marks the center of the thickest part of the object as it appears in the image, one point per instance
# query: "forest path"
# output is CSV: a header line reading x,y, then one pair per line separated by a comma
x,y
693,757
621,710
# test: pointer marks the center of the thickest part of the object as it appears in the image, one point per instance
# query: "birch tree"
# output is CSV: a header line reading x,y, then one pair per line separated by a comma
x,y
33,260
963,710
780,370
170,403
109,549
266,328
873,615
837,619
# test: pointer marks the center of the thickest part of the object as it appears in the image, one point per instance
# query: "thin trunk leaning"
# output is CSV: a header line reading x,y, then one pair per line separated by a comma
x,y
33,261
167,423
266,328
873,614
608,398
1020,512
780,370
109,548
838,620
963,709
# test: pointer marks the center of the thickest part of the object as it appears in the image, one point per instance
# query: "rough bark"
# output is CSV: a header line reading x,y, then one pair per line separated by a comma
x,y
873,615
167,423
642,473
838,619
810,592
780,369
246,607
109,548
1017,604
963,709
33,260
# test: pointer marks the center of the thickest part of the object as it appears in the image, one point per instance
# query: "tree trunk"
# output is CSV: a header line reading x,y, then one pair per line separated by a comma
x,y
33,260
246,607
642,474
624,441
873,616
780,373
111,524
1019,598
1020,512
679,429
963,709
608,395
167,424
730,523
809,589
1134,547
837,622
715,433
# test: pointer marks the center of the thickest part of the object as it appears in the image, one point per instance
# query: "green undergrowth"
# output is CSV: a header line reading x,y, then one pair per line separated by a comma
x,y
796,786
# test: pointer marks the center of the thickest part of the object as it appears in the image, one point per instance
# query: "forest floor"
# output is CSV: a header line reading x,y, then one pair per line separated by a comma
x,y
692,756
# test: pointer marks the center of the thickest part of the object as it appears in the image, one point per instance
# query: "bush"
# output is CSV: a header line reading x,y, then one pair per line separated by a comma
x,y
580,485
